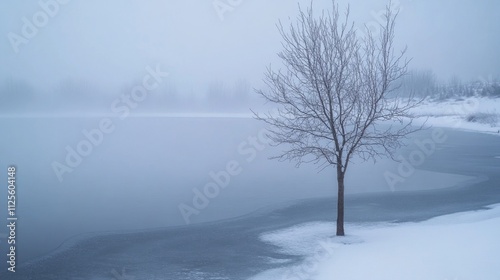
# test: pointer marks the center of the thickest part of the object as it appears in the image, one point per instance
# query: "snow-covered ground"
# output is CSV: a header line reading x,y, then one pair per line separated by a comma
x,y
479,114
459,246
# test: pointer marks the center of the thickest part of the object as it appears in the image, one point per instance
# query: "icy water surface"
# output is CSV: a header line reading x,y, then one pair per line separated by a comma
x,y
110,195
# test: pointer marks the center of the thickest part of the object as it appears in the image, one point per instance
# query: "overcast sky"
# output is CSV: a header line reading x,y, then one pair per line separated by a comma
x,y
109,43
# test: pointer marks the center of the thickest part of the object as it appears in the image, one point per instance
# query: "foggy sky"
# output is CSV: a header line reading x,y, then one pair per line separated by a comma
x,y
109,43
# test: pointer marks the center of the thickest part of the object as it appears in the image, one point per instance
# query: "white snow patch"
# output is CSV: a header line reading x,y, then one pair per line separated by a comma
x,y
471,114
298,240
457,246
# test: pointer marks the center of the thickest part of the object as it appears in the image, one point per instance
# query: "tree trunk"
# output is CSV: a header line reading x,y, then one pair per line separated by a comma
x,y
340,201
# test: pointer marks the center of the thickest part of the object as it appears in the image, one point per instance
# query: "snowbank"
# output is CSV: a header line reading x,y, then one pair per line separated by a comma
x,y
453,247
474,114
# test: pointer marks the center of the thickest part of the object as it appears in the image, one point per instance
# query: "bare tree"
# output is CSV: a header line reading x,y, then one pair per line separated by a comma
x,y
332,94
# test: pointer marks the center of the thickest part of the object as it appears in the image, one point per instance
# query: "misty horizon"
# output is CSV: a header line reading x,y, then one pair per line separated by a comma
x,y
215,57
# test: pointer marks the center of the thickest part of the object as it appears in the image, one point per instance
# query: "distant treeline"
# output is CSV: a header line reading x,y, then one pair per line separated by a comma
x,y
218,96
74,95
424,83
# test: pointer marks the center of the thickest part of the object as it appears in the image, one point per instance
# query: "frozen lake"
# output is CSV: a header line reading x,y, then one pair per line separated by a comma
x,y
141,172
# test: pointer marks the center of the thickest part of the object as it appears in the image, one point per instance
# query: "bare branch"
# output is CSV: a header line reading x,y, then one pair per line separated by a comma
x,y
333,91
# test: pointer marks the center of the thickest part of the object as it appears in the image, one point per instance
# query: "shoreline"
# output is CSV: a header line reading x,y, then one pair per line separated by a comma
x,y
367,208
386,245
74,241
